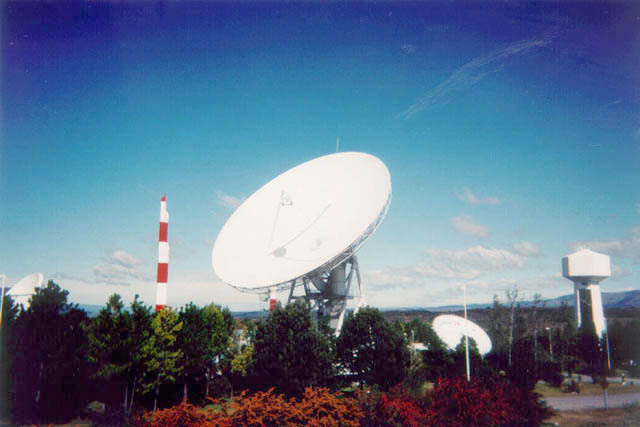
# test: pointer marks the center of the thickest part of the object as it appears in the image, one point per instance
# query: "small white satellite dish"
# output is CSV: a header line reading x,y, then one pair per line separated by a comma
x,y
451,329
304,227
25,288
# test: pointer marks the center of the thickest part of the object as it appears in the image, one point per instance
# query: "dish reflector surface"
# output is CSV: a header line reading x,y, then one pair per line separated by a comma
x,y
27,285
302,220
451,329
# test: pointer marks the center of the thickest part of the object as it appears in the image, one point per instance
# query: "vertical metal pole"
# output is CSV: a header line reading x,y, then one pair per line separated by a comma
x,y
293,285
608,353
466,336
4,278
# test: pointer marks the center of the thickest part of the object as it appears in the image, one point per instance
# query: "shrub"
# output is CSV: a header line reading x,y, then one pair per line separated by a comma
x,y
317,407
453,402
396,408
183,414
573,387
484,401
550,373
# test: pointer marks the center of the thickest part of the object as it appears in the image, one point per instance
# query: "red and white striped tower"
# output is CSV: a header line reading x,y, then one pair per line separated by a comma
x,y
273,300
163,256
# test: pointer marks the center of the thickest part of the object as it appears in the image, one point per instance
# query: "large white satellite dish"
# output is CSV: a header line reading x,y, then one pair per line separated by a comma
x,y
451,329
25,288
304,227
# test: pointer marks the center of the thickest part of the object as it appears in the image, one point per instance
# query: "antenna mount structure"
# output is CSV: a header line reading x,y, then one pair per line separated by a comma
x,y
302,230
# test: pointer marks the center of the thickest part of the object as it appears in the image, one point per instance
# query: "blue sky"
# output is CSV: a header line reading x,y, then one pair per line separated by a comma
x,y
511,132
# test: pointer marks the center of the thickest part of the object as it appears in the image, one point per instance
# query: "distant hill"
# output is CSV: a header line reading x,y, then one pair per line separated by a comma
x,y
628,299
92,310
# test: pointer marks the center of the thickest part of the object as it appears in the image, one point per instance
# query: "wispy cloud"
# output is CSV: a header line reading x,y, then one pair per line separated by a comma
x,y
527,249
467,196
465,225
445,268
479,258
118,268
471,73
627,247
228,201
618,272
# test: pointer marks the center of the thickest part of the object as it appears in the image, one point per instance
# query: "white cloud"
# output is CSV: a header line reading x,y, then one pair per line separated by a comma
x,y
471,73
118,268
628,247
124,259
200,287
446,267
467,196
465,225
228,201
618,272
479,258
527,249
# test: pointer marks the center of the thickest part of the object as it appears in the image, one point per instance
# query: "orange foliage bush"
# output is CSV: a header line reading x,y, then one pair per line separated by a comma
x,y
318,407
396,408
453,402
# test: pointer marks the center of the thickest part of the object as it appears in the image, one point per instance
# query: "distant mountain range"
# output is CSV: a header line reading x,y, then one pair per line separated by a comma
x,y
628,299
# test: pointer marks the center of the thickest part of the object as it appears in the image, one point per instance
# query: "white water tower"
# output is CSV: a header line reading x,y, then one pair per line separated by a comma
x,y
586,269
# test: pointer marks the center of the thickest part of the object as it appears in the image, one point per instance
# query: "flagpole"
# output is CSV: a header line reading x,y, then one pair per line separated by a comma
x,y
4,279
466,336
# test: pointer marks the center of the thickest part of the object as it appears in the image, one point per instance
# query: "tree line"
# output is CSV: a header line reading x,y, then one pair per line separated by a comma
x,y
55,359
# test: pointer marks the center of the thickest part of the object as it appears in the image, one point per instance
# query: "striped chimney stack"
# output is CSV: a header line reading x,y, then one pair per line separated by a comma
x,y
163,256
272,299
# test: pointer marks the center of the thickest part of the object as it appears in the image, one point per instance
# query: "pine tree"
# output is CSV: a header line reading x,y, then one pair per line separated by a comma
x,y
111,344
290,353
203,339
372,349
50,370
160,353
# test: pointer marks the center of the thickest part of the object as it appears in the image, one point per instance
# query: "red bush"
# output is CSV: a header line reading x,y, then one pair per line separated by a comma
x,y
484,401
453,402
183,414
396,408
318,407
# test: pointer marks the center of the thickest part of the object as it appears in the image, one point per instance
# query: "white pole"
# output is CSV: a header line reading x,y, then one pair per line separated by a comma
x,y
466,336
4,279
606,331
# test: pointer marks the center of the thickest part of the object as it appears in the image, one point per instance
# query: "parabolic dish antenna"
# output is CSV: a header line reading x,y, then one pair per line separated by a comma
x,y
451,329
22,291
304,227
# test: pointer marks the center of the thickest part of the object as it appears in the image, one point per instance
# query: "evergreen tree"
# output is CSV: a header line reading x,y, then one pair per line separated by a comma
x,y
9,315
588,348
203,340
50,369
110,346
289,353
138,323
160,353
372,349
